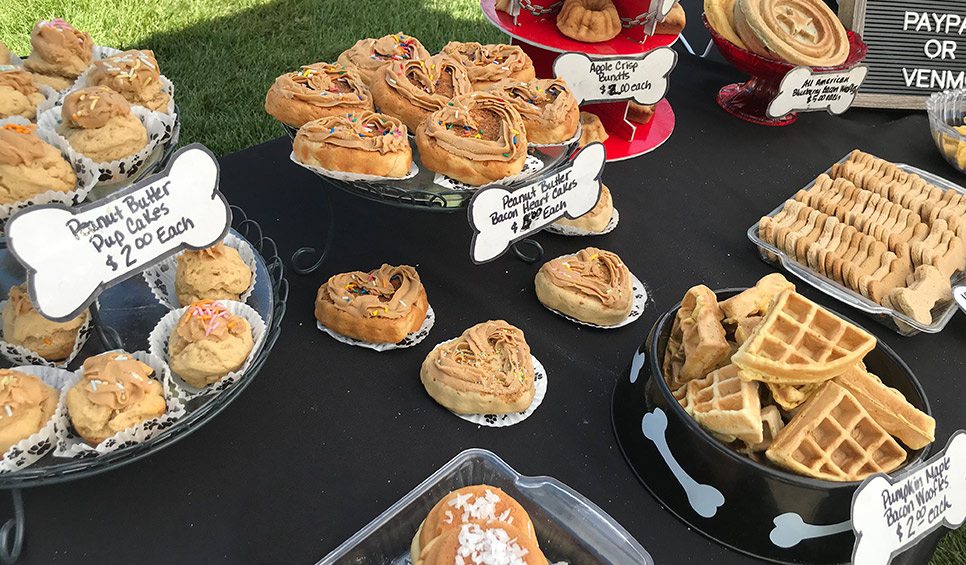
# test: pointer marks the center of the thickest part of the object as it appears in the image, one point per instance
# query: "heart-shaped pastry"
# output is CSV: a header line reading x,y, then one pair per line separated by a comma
x,y
369,55
593,286
548,108
487,370
478,139
488,64
316,91
363,143
412,90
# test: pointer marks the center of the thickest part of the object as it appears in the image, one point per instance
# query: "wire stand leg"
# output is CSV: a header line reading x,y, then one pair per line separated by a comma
x,y
108,335
306,252
522,255
11,533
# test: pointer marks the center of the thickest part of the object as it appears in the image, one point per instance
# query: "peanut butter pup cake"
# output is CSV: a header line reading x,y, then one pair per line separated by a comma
x,y
116,392
215,273
208,343
24,326
487,370
135,75
98,123
369,55
30,166
59,53
412,90
316,91
381,306
26,404
19,95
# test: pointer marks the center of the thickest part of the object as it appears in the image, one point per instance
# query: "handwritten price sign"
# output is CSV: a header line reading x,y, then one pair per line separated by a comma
x,y
805,90
642,78
73,254
500,216
890,515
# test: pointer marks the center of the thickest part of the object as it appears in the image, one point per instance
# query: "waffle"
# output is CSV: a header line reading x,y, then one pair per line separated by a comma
x,y
703,344
790,397
799,342
771,424
833,438
889,408
726,405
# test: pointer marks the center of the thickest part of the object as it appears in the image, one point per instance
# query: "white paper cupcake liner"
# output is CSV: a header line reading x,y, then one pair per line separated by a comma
x,y
409,341
20,355
571,141
531,166
158,345
340,175
574,231
71,445
15,60
28,450
637,307
100,52
503,420
161,277
84,169
160,128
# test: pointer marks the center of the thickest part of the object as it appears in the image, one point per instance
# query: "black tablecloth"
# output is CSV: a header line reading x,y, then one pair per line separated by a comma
x,y
328,435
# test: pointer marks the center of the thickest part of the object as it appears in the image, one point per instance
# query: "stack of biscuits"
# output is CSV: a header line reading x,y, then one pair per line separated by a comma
x,y
769,372
875,229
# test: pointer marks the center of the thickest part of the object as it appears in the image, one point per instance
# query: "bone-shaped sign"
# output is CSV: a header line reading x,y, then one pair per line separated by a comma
x,y
72,254
892,514
805,90
500,216
642,78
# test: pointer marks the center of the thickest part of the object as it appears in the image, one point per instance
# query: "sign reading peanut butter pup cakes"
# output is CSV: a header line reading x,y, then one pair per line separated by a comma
x,y
73,254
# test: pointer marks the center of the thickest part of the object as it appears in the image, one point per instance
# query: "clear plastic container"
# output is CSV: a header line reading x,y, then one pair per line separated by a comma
x,y
892,319
569,527
947,110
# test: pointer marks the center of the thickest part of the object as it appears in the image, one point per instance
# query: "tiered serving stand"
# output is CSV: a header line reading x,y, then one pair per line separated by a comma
x,y
542,41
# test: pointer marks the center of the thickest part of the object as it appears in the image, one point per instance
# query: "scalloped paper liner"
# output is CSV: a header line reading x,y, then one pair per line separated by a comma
x,y
574,231
84,169
161,277
637,308
72,446
504,420
340,175
410,340
571,141
28,450
20,355
158,345
531,166
101,52
15,60
160,128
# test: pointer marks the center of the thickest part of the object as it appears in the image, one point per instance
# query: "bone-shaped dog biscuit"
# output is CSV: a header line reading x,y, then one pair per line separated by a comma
x,y
926,286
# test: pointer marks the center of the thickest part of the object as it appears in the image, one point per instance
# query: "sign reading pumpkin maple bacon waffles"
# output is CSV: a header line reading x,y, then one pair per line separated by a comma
x,y
73,254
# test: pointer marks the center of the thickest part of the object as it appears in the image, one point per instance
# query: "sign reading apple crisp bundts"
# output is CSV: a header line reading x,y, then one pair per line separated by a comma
x,y
73,254
889,515
500,216
641,78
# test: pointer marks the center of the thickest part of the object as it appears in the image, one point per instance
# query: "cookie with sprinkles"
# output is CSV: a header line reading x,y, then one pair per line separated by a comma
x,y
316,91
364,143
369,55
380,306
208,343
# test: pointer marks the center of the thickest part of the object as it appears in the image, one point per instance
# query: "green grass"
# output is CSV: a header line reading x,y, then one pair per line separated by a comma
x,y
223,55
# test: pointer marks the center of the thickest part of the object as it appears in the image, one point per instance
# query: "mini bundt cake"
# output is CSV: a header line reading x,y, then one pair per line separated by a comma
x,y
590,21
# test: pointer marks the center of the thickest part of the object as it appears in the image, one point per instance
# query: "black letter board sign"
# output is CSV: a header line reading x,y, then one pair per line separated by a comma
x,y
916,47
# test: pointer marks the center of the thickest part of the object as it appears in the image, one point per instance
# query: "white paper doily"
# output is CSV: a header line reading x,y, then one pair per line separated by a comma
x,y
575,231
161,334
637,308
161,277
73,446
409,341
530,166
32,448
340,175
20,355
503,420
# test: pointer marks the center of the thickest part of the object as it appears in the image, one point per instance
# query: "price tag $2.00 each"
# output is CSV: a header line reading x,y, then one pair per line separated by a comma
x,y
641,78
73,254
892,514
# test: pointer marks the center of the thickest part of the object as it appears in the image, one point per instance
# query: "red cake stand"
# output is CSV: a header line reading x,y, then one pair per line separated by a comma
x,y
749,101
543,42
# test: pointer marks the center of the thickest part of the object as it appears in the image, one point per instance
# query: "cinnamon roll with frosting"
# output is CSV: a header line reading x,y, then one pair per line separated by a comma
x,y
549,111
488,64
368,55
593,286
487,370
363,143
381,306
479,139
316,91
412,90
